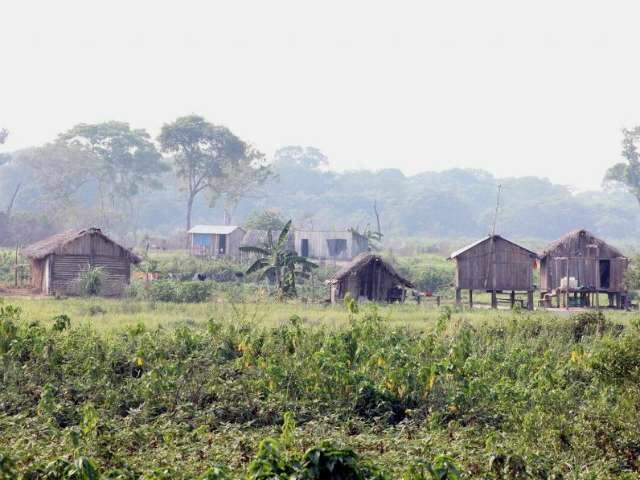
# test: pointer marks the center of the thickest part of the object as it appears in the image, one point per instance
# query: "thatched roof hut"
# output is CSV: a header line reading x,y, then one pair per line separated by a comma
x,y
58,261
583,263
369,277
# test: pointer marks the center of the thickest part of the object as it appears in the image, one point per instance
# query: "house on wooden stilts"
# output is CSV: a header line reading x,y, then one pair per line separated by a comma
x,y
496,265
578,267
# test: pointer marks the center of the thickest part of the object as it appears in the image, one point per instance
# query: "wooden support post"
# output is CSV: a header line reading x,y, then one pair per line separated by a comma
x,y
566,294
438,300
513,299
530,300
458,296
470,298
494,299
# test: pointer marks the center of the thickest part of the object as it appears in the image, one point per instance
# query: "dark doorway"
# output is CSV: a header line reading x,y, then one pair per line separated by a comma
x,y
336,246
222,245
304,247
605,273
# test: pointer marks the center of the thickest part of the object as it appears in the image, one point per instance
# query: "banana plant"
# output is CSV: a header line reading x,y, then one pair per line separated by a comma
x,y
278,263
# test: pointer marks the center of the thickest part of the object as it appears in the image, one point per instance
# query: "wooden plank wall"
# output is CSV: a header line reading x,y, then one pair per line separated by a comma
x,y
514,267
584,270
89,250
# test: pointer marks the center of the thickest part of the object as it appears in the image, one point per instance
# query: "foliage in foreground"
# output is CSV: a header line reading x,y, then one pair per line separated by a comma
x,y
530,397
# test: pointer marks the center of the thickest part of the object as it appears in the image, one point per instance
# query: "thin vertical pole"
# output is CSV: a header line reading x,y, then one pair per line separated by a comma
x,y
16,267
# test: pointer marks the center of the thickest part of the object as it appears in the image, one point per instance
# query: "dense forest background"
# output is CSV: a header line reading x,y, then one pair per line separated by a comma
x,y
39,192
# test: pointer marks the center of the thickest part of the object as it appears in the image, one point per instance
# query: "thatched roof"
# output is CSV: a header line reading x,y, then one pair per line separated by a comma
x,y
486,239
362,261
576,242
55,243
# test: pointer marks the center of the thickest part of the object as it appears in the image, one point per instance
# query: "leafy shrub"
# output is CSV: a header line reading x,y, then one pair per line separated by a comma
x,y
588,323
61,322
194,292
91,281
179,292
618,361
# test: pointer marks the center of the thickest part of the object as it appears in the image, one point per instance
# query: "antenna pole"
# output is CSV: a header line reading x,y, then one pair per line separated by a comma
x,y
495,216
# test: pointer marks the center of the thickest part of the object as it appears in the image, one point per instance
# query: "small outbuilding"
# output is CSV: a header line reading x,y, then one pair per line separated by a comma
x,y
216,240
494,264
369,277
58,262
581,266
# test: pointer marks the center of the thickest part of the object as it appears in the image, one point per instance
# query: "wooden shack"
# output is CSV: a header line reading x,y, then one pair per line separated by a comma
x,y
330,245
216,240
58,262
369,277
496,265
579,266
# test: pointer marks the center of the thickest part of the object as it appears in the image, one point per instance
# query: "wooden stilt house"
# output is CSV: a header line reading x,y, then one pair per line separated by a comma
x,y
496,265
578,267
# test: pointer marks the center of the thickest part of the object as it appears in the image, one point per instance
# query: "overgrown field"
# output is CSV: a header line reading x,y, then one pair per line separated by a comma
x,y
185,391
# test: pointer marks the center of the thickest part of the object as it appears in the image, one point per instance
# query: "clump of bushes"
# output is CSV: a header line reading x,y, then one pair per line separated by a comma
x,y
179,292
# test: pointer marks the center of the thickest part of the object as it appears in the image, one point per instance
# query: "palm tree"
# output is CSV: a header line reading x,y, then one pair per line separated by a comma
x,y
276,262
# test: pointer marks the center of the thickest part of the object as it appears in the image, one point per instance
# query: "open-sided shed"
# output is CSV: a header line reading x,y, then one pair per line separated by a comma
x,y
581,264
369,277
494,264
58,262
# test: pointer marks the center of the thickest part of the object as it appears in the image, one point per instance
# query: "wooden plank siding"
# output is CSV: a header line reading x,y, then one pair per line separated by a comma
x,y
58,263
581,252
513,266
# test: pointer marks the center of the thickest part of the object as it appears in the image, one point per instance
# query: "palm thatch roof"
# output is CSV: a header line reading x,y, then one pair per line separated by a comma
x,y
56,243
575,243
361,261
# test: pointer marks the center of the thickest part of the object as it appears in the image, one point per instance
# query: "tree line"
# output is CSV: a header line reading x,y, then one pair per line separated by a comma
x,y
130,183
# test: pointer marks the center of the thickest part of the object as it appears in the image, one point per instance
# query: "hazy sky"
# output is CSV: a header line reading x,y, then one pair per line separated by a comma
x,y
516,88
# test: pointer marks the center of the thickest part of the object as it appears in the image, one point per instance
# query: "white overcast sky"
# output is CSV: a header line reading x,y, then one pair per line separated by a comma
x,y
513,87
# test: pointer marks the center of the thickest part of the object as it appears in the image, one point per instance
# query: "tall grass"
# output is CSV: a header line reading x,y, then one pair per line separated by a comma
x,y
506,395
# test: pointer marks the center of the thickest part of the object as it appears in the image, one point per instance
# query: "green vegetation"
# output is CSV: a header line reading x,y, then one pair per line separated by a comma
x,y
240,391
275,262
431,273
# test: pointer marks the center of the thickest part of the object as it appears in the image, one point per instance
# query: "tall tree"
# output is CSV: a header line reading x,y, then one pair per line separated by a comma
x,y
127,159
206,156
240,179
627,173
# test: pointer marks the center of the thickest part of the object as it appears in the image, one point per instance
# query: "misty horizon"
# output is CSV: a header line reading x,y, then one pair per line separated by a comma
x,y
541,91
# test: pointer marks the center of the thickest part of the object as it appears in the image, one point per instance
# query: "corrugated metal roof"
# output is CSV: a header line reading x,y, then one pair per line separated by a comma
x,y
214,229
